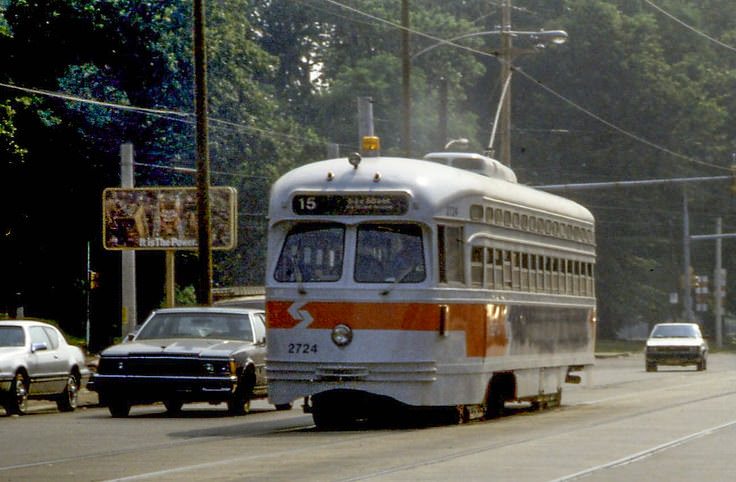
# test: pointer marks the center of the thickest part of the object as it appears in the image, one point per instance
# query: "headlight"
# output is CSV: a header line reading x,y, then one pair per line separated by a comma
x,y
342,335
219,367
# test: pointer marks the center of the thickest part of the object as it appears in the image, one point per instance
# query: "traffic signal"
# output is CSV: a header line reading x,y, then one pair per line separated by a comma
x,y
94,280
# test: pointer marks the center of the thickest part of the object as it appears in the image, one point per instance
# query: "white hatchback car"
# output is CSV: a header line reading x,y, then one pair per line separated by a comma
x,y
677,344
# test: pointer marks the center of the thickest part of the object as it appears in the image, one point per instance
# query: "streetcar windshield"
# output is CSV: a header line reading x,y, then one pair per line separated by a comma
x,y
312,252
389,253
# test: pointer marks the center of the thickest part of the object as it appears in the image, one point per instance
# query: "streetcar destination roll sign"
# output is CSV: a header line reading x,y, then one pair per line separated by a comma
x,y
351,204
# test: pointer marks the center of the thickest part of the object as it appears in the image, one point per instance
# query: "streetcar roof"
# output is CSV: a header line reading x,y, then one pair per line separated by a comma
x,y
431,185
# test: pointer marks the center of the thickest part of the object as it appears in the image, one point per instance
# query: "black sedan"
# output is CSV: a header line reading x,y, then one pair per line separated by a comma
x,y
183,355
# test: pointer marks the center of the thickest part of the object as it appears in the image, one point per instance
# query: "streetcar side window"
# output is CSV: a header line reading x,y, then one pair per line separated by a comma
x,y
476,266
450,245
312,252
389,253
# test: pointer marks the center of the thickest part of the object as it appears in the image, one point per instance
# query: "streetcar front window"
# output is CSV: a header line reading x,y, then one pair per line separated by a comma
x,y
387,253
312,252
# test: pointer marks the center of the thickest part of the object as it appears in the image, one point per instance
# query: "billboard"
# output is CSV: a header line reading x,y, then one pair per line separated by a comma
x,y
165,218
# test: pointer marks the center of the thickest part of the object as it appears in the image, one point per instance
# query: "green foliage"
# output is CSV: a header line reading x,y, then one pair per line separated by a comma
x,y
185,296
283,78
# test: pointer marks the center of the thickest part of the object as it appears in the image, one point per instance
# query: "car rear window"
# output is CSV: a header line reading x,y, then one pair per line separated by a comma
x,y
12,336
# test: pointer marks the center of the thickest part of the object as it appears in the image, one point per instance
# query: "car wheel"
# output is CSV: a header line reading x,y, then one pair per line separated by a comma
x,y
702,365
173,406
238,404
651,366
119,408
68,399
283,406
17,402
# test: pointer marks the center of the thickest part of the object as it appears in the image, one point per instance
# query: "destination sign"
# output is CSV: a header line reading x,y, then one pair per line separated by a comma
x,y
351,204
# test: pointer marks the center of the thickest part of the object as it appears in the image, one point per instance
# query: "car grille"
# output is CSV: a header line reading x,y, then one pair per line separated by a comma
x,y
162,366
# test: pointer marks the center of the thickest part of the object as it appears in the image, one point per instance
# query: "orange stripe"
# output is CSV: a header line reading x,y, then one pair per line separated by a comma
x,y
475,320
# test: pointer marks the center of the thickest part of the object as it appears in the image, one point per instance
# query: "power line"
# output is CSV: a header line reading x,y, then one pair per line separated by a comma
x,y
689,27
535,81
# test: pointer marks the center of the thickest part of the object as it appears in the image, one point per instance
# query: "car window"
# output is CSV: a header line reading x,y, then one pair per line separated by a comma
x,y
674,331
53,337
38,335
12,336
259,324
197,325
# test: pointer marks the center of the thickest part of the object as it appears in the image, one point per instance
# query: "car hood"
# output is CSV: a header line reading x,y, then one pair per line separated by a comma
x,y
674,342
190,347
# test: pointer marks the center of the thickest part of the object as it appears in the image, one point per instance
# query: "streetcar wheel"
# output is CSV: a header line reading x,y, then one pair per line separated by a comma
x,y
69,398
495,405
17,402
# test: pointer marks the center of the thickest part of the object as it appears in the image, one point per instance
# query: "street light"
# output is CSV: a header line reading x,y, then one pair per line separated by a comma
x,y
506,54
543,37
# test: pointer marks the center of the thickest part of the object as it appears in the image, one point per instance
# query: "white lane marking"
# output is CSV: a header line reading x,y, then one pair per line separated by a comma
x,y
646,453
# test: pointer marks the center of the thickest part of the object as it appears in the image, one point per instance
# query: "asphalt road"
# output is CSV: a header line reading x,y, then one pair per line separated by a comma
x,y
621,424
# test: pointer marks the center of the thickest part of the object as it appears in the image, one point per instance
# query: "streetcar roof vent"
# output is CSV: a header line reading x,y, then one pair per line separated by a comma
x,y
476,163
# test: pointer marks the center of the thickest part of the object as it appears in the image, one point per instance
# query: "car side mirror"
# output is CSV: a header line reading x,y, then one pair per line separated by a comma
x,y
38,347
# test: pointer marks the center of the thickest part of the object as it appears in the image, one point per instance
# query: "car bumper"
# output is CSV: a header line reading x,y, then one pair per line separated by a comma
x,y
675,358
144,388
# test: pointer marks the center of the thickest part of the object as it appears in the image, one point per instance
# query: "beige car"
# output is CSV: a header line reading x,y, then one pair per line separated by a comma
x,y
186,355
678,344
36,362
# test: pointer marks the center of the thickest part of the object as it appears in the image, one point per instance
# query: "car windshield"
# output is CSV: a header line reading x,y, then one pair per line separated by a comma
x,y
674,331
197,325
12,336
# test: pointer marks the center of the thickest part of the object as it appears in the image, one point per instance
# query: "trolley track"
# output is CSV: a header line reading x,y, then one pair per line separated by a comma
x,y
284,447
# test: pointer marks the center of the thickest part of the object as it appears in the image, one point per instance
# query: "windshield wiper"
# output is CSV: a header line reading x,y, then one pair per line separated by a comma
x,y
399,279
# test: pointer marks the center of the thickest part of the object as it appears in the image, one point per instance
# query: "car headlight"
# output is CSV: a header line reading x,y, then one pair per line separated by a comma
x,y
219,367
342,335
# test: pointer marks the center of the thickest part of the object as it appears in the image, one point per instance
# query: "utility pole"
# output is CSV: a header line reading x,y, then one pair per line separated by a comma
x,y
505,55
405,81
718,282
129,315
204,289
687,299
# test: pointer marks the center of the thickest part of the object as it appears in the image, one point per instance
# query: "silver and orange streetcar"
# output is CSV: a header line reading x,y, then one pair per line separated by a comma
x,y
438,282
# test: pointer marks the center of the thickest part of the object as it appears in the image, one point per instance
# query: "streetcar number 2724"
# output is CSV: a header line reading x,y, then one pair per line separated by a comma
x,y
303,348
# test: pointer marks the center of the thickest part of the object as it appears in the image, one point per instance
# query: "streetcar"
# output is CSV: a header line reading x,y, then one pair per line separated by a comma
x,y
435,283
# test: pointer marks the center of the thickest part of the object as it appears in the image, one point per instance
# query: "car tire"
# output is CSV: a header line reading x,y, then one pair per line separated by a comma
x,y
239,402
17,401
283,406
67,401
651,366
173,407
702,364
118,407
